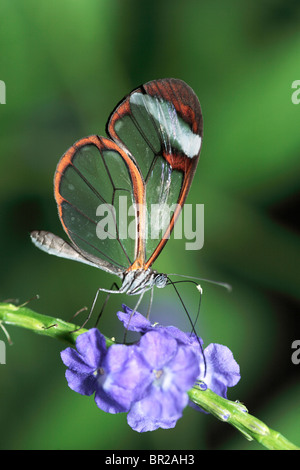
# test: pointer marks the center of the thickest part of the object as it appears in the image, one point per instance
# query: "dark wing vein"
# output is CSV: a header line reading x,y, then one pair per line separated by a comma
x,y
102,199
97,249
113,199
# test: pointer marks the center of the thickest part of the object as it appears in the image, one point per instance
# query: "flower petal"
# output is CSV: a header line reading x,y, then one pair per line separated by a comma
x,y
106,403
135,322
185,367
81,383
157,410
92,346
222,369
158,347
75,361
127,374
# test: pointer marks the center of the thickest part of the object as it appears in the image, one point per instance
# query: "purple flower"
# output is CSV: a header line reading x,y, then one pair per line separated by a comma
x,y
116,375
149,379
222,371
174,369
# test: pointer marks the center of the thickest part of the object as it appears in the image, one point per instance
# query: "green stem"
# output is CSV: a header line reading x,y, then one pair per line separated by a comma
x,y
41,324
231,412
237,415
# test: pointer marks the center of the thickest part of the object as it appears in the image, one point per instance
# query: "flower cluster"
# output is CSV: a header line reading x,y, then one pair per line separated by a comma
x,y
149,379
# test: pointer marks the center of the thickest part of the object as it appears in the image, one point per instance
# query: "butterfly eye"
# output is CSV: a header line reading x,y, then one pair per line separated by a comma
x,y
161,280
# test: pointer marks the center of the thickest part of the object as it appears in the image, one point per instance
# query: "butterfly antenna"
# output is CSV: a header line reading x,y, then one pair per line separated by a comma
x,y
218,283
189,317
199,288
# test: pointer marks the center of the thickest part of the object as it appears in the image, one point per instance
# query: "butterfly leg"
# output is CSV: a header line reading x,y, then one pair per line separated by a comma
x,y
150,303
132,313
108,291
114,285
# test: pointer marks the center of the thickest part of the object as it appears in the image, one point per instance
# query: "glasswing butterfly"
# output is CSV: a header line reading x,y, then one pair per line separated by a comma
x,y
150,157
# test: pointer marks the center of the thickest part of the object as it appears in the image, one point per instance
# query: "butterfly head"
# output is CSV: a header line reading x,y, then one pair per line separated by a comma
x,y
160,280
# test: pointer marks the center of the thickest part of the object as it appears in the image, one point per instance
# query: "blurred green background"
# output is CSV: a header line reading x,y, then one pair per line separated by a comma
x,y
66,64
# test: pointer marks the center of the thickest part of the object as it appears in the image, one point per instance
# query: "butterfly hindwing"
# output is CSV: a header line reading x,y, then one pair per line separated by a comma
x,y
89,180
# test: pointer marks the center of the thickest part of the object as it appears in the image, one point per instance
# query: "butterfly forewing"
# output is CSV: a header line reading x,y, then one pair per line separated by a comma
x,y
160,125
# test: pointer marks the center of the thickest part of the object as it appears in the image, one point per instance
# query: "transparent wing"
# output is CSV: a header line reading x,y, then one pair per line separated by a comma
x,y
91,182
160,126
54,245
